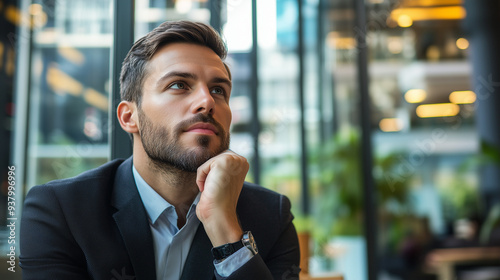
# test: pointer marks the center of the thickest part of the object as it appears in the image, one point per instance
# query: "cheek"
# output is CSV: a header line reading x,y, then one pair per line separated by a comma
x,y
160,119
225,118
161,107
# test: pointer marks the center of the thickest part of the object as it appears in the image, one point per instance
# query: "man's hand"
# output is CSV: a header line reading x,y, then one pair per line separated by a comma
x,y
220,180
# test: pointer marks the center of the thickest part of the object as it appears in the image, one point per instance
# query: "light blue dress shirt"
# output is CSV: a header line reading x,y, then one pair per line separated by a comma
x,y
171,245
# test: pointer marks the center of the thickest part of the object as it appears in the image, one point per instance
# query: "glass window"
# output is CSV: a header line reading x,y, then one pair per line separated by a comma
x,y
151,13
7,168
423,133
279,113
424,139
69,88
335,164
237,31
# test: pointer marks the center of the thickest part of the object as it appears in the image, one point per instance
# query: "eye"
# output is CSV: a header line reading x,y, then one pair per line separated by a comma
x,y
178,85
218,91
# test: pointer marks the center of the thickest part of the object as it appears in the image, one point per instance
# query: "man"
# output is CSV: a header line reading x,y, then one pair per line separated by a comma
x,y
179,208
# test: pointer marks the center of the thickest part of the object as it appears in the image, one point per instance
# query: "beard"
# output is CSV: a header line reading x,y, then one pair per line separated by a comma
x,y
165,150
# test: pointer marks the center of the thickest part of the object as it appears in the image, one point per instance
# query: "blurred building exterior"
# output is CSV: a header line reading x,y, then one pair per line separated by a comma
x,y
433,83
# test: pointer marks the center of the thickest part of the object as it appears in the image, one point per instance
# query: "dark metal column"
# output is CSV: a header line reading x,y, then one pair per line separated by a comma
x,y
215,14
320,60
483,25
303,138
254,87
123,40
369,192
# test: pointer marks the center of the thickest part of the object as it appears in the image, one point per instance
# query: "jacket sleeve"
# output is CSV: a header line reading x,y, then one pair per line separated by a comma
x,y
283,260
48,250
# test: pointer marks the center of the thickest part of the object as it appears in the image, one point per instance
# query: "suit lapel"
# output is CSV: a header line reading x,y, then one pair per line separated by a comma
x,y
132,221
199,263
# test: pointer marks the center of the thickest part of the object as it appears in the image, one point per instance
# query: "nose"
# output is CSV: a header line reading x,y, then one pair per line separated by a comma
x,y
203,101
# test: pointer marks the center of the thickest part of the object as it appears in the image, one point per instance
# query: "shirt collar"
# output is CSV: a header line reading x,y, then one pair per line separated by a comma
x,y
153,202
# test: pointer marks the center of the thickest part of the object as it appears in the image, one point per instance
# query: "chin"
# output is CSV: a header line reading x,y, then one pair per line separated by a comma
x,y
205,145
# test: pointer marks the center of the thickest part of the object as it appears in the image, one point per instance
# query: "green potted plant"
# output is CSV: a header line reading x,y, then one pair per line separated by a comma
x,y
338,197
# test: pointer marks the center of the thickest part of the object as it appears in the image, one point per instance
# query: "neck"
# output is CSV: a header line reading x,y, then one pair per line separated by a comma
x,y
177,187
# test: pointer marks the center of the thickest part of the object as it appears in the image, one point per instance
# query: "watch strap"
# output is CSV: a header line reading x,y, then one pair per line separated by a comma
x,y
222,252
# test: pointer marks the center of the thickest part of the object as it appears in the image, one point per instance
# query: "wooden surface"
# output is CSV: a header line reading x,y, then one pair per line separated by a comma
x,y
304,240
443,261
322,277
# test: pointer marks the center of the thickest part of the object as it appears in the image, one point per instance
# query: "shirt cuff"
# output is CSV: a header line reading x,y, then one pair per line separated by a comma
x,y
233,262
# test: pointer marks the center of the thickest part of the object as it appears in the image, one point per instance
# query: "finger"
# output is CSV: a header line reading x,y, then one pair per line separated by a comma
x,y
205,168
202,173
201,176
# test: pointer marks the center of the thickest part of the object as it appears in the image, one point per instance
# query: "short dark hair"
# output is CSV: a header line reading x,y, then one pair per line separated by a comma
x,y
134,66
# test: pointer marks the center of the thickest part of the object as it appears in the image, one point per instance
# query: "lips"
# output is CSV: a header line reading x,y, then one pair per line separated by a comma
x,y
203,128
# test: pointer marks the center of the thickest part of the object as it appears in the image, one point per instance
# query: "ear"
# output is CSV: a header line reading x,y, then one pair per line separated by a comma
x,y
127,116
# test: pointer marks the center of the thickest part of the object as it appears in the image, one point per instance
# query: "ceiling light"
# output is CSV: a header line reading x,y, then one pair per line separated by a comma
x,y
437,110
415,95
463,97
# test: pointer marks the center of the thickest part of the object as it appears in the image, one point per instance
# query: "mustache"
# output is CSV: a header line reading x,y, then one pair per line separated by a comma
x,y
183,125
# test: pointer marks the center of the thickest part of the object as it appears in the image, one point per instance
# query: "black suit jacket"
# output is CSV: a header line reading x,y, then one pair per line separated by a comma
x,y
94,226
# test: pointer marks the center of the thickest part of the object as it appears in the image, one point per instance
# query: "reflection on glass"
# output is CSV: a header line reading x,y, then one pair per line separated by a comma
x,y
277,23
237,31
336,181
8,54
423,122
151,13
69,88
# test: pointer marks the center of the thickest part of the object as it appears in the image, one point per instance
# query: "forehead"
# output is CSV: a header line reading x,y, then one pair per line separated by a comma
x,y
186,57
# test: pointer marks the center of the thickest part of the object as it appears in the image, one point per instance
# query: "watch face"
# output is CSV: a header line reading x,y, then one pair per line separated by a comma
x,y
249,242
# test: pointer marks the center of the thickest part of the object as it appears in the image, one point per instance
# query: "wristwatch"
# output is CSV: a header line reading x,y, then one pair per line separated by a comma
x,y
222,252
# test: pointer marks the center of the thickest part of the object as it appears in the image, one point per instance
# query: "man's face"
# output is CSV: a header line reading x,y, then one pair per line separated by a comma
x,y
184,116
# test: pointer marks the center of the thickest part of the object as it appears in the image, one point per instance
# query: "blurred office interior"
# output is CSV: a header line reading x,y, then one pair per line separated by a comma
x,y
377,118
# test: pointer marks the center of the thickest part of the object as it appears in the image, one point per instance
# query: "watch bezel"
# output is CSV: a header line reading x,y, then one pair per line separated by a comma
x,y
249,241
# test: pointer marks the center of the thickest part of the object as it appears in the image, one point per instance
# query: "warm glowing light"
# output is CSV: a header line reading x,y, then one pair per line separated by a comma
x,y
63,83
462,43
35,9
96,99
415,95
390,125
430,13
405,21
438,110
433,53
39,20
463,97
13,15
334,41
429,3
395,45
10,62
1,54
72,55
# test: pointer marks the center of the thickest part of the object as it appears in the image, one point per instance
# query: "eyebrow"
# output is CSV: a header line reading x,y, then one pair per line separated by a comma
x,y
219,80
169,75
187,75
